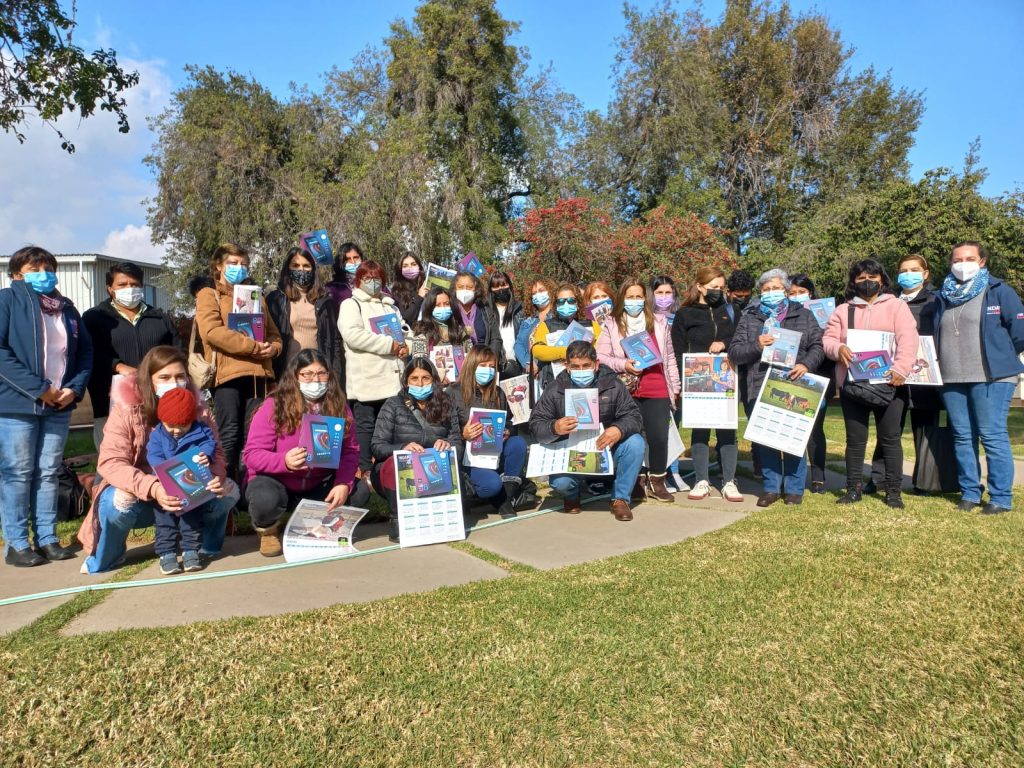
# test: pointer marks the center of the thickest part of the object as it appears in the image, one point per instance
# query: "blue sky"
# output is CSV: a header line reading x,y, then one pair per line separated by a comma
x,y
963,57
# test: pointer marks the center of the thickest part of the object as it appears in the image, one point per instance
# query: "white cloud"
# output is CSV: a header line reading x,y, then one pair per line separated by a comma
x,y
74,203
133,244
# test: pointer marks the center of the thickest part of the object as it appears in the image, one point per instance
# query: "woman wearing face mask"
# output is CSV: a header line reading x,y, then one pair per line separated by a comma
x,y
373,361
245,369
539,304
45,359
979,333
508,316
122,328
657,386
801,291
305,314
438,326
478,388
471,310
594,292
872,308
420,416
567,308
125,496
279,475
703,325
785,475
347,259
408,287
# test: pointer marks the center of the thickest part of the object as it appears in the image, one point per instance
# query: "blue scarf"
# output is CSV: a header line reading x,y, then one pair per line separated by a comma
x,y
956,293
773,317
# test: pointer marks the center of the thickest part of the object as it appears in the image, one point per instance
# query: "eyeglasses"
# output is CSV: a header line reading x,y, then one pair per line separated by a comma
x,y
308,376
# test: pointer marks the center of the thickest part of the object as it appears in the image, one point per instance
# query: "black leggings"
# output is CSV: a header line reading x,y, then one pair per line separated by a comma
x,y
365,413
888,426
230,401
269,500
656,413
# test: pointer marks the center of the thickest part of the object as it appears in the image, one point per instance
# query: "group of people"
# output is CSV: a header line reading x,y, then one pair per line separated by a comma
x,y
322,353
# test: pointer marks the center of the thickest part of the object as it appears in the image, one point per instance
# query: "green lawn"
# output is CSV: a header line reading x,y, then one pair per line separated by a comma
x,y
811,635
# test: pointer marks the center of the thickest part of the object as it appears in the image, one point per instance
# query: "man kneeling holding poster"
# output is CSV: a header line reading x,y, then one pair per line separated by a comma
x,y
615,447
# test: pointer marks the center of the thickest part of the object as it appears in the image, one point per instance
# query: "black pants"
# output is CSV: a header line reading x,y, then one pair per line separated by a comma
x,y
269,500
816,448
888,427
920,419
365,413
167,526
656,412
230,403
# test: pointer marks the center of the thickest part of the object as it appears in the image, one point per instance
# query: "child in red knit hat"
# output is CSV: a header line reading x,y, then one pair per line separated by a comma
x,y
178,433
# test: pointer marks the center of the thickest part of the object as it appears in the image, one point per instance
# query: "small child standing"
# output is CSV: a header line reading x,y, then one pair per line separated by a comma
x,y
179,431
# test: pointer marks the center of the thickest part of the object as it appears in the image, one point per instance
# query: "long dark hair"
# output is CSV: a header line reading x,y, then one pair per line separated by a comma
x,y
290,405
499,276
802,280
468,386
156,359
402,288
428,327
435,407
288,286
873,267
340,275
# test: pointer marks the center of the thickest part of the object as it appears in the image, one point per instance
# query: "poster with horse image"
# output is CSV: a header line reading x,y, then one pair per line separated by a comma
x,y
709,392
785,410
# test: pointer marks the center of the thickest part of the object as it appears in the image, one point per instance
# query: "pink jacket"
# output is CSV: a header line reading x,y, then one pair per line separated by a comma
x,y
609,351
123,463
887,313
264,453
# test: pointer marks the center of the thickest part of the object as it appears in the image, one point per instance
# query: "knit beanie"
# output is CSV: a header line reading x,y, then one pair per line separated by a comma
x,y
177,407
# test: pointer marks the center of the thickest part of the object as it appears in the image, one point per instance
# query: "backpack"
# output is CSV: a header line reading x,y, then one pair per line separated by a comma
x,y
72,498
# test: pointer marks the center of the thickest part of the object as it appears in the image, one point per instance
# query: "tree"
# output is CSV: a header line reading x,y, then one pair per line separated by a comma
x,y
43,73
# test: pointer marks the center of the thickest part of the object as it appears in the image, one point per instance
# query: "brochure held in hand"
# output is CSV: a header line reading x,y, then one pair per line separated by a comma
x,y
185,478
641,349
485,451
322,437
319,246
252,325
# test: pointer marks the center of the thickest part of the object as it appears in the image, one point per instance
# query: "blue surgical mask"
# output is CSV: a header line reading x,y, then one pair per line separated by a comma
x,y
540,299
800,298
910,280
633,306
164,387
422,393
566,310
484,376
773,299
41,282
236,273
582,378
351,267
442,314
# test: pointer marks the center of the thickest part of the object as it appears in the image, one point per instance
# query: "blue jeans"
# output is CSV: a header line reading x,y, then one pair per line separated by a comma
x,y
628,456
487,483
980,411
31,451
783,470
116,524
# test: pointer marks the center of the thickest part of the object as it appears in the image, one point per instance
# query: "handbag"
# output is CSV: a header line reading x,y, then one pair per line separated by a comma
x,y
631,382
864,392
936,457
202,372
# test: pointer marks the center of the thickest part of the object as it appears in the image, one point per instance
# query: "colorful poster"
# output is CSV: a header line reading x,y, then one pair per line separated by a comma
x,y
431,519
859,340
784,350
599,310
439,277
868,366
822,309
925,371
785,410
709,392
641,349
576,453
470,263
252,325
388,324
247,300
314,532
517,393
485,451
319,246
448,360
185,478
322,437
582,405
431,472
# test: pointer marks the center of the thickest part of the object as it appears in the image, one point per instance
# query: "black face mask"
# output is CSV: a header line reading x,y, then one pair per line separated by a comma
x,y
301,277
866,289
741,303
502,295
714,297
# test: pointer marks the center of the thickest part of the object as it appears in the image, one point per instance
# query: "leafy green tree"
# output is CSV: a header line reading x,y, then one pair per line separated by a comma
x,y
43,73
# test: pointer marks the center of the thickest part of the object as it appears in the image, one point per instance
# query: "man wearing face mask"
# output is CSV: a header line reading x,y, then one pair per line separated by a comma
x,y
620,419
123,329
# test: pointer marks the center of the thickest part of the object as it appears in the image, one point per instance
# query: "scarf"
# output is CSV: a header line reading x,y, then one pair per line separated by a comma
x,y
51,305
773,317
956,293
469,320
635,325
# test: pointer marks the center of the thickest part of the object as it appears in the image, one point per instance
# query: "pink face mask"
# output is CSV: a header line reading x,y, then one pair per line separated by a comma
x,y
663,302
410,273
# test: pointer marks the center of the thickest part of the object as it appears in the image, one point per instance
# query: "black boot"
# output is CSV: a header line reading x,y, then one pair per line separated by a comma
x,y
510,488
392,498
852,496
894,499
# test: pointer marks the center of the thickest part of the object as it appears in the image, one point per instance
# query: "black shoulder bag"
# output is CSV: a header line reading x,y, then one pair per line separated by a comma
x,y
864,392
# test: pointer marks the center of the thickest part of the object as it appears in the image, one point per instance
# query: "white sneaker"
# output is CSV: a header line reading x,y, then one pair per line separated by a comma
x,y
679,483
700,491
731,493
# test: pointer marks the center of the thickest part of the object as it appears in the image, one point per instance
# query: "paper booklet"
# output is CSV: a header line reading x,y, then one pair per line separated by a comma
x,y
925,371
485,451
252,325
388,325
470,263
322,437
517,393
440,277
432,473
822,309
247,300
869,366
428,519
575,332
583,405
785,349
448,360
313,533
185,478
577,453
859,340
599,310
319,246
785,410
640,348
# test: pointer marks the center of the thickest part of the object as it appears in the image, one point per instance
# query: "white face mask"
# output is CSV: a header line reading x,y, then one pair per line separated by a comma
x,y
464,296
965,270
164,387
128,297
313,390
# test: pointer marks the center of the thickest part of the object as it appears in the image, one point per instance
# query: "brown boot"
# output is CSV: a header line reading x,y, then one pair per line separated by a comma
x,y
639,488
621,511
656,490
571,506
270,540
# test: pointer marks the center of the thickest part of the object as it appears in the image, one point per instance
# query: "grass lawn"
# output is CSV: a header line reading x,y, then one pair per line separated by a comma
x,y
810,635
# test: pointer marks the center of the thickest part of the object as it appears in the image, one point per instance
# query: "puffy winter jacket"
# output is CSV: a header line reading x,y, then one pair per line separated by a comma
x,y
371,372
617,406
400,422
